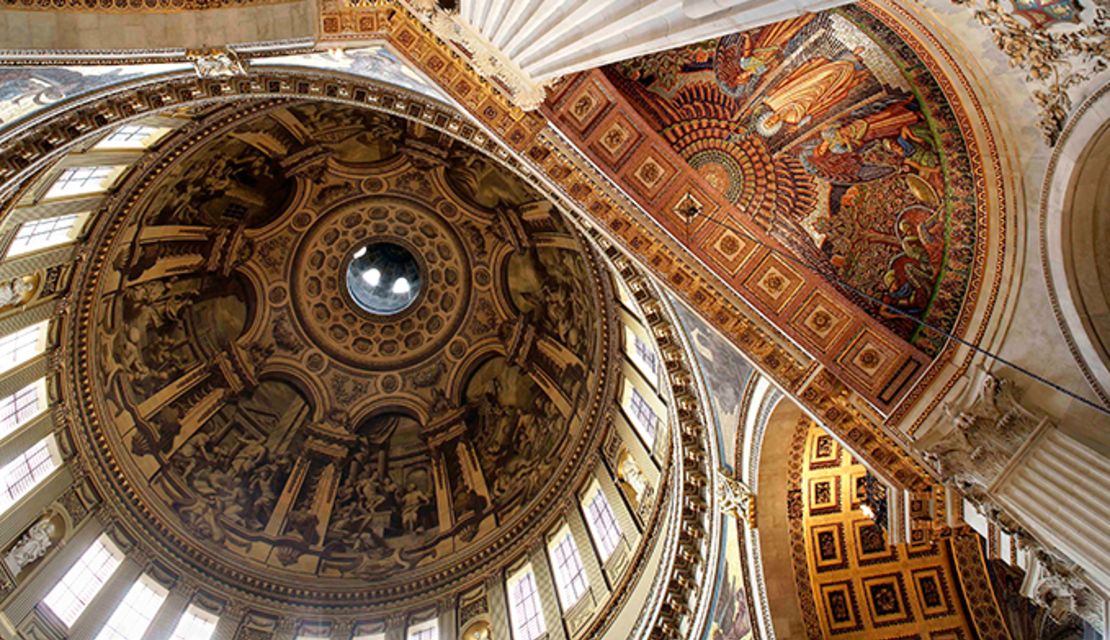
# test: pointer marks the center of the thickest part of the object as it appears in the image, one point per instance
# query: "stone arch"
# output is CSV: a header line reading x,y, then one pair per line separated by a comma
x,y
772,519
1076,268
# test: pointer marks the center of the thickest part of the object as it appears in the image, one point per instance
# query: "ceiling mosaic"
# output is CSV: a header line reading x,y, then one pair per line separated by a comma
x,y
262,424
828,133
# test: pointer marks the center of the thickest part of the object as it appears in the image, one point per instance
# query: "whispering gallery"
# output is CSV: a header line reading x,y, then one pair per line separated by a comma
x,y
554,319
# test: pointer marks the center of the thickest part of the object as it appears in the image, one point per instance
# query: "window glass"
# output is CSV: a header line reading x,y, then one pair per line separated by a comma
x,y
524,605
195,624
570,576
601,523
643,417
131,618
19,347
77,181
40,234
17,409
28,469
644,357
132,136
83,581
427,630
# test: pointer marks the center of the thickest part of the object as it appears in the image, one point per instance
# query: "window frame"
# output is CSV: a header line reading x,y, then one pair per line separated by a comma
x,y
559,557
24,242
533,625
600,535
134,607
111,556
193,612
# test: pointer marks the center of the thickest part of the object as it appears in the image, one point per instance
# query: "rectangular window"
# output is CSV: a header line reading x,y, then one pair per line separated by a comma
x,y
132,136
17,409
83,581
131,618
601,523
77,181
570,576
195,624
48,232
645,356
645,420
427,630
369,636
21,475
524,605
19,347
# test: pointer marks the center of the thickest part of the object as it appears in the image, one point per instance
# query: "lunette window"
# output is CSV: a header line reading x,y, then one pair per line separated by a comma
x,y
132,136
647,423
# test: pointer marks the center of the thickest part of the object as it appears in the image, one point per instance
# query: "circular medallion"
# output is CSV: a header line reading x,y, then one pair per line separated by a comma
x,y
381,283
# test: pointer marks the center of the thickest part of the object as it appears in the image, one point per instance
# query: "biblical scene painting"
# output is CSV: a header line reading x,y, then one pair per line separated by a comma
x,y
830,133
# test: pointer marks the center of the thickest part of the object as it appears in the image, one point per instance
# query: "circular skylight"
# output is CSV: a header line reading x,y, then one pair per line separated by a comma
x,y
383,278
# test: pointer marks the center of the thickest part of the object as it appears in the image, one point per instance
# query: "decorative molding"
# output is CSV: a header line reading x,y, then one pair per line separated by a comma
x,y
132,6
1055,61
483,57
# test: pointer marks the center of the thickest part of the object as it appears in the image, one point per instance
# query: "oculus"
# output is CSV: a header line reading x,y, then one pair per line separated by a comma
x,y
383,278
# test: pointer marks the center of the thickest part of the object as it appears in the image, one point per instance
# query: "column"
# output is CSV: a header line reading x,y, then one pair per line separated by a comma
x,y
26,318
447,620
32,262
107,599
1060,490
30,371
498,607
166,620
52,209
230,619
549,600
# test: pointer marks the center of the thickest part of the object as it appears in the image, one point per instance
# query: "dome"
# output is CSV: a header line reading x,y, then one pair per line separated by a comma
x,y
336,357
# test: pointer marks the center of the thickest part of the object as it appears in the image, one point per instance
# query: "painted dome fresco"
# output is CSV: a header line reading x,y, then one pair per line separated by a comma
x,y
335,355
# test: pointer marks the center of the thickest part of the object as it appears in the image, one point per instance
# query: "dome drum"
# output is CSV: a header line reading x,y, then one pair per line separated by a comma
x,y
263,423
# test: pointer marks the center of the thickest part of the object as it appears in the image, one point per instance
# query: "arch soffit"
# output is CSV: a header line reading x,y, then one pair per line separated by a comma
x,y
1055,222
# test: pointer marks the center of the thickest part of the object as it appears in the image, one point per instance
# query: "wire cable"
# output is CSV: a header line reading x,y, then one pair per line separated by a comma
x,y
694,212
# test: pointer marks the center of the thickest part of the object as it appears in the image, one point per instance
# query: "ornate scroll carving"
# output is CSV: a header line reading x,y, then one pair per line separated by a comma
x,y
735,498
217,63
983,436
1054,61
